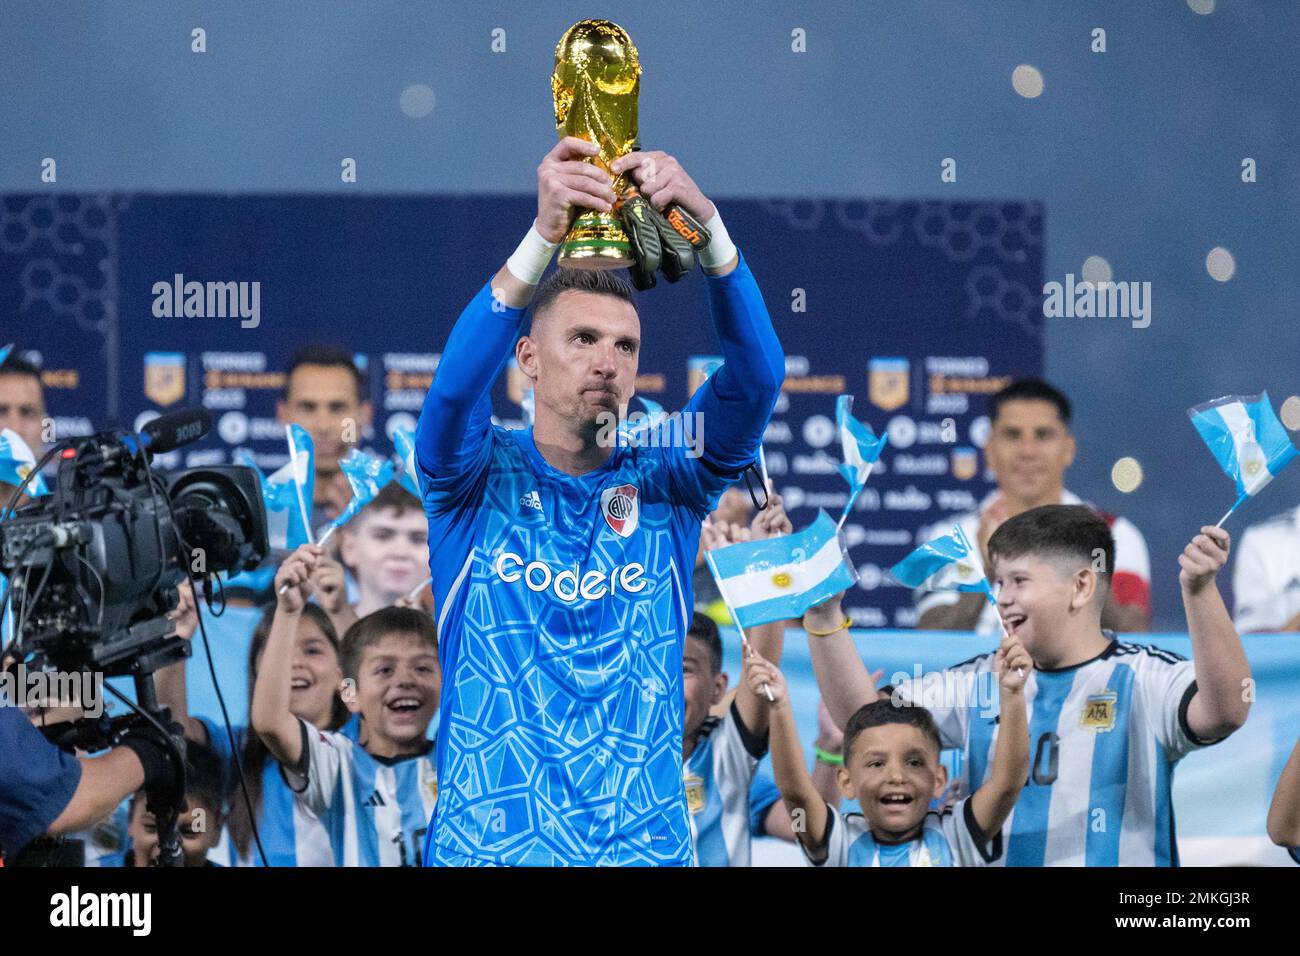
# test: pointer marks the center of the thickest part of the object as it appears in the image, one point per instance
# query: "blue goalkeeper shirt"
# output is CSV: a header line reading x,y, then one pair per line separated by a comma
x,y
564,602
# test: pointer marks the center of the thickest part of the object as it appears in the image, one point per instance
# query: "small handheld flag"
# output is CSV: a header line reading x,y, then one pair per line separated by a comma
x,y
17,462
1246,439
302,462
367,474
287,522
780,578
404,442
947,563
861,450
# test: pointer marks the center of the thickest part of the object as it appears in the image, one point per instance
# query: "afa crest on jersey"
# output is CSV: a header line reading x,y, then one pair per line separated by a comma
x,y
1099,713
620,508
694,793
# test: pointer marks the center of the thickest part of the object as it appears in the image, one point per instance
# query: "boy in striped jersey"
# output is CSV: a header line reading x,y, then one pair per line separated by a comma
x,y
373,794
1107,721
891,767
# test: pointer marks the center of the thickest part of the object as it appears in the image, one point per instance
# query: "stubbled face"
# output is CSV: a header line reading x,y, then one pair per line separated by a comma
x,y
1035,598
398,686
200,829
22,408
315,675
703,688
1030,448
388,550
323,399
582,357
893,772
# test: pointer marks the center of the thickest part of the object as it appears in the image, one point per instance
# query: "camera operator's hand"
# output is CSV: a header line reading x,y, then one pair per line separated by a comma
x,y
293,582
185,614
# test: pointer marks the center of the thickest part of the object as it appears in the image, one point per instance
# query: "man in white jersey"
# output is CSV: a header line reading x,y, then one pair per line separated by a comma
x,y
1107,721
1266,577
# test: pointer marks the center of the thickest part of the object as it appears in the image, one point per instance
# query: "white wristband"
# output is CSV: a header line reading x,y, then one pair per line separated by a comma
x,y
720,249
530,260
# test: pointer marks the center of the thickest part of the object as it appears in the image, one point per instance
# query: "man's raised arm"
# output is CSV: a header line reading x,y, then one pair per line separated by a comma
x,y
737,400
458,409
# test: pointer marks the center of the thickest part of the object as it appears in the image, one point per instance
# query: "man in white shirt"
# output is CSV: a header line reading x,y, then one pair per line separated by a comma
x,y
1029,449
1266,577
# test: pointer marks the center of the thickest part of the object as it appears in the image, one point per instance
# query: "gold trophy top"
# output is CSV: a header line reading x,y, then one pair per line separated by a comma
x,y
595,85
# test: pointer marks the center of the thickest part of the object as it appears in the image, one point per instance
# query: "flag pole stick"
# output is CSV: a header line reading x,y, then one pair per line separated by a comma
x,y
762,468
419,587
1235,505
735,619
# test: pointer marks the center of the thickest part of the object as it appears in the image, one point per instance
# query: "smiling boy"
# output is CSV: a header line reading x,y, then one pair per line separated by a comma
x,y
374,794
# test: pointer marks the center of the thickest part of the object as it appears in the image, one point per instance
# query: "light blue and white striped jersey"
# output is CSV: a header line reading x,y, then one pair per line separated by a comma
x,y
1104,737
564,601
291,834
718,775
375,809
951,838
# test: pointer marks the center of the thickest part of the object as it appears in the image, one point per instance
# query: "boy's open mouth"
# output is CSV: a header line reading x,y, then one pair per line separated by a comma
x,y
299,683
403,705
896,799
1013,621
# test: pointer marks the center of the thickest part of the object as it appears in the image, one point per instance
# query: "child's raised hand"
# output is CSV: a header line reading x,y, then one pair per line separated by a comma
x,y
1203,558
1014,665
772,521
719,534
763,678
328,581
293,584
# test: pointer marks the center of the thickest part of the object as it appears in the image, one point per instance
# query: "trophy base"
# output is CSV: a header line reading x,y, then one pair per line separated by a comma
x,y
599,259
596,242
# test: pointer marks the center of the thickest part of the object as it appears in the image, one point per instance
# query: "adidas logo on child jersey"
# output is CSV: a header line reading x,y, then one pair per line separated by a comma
x,y
376,799
531,500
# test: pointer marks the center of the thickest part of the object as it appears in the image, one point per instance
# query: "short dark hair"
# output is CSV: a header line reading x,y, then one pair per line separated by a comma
x,y
596,281
1031,390
15,364
330,356
203,777
705,629
881,712
1075,532
391,497
377,625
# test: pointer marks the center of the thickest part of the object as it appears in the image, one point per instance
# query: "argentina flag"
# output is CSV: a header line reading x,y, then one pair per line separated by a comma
x,y
404,442
948,563
780,578
861,450
287,491
1246,439
366,474
16,463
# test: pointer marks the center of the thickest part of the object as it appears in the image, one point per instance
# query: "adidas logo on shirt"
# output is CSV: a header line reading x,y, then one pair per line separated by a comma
x,y
376,799
531,500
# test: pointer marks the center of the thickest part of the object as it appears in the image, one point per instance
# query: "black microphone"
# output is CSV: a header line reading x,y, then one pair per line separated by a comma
x,y
175,429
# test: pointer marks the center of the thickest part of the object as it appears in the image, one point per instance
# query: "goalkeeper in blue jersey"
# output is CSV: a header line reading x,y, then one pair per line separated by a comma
x,y
562,559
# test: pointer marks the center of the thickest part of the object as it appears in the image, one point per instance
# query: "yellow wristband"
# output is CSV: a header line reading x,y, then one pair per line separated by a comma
x,y
842,626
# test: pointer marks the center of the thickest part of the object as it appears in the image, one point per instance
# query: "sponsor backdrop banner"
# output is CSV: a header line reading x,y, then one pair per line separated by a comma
x,y
137,305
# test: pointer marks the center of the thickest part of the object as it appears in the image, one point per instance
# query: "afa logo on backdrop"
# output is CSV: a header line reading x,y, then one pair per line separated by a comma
x,y
164,377
887,382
